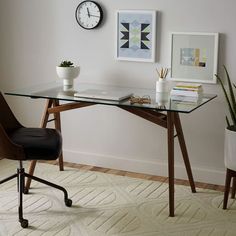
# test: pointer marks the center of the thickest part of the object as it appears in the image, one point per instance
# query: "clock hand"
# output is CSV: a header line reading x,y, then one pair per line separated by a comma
x,y
94,16
88,12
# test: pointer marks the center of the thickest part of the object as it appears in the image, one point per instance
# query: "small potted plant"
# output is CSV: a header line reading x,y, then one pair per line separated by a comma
x,y
68,72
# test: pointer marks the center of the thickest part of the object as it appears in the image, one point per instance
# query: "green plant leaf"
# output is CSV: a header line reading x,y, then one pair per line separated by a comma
x,y
66,64
228,101
231,92
227,121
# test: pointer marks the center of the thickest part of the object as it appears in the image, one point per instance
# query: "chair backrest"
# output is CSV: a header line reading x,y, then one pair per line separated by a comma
x,y
7,118
8,123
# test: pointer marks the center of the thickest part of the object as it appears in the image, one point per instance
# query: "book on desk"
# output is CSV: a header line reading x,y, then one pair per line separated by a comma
x,y
186,92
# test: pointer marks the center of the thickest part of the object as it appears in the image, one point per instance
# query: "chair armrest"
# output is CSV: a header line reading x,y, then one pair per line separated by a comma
x,y
8,149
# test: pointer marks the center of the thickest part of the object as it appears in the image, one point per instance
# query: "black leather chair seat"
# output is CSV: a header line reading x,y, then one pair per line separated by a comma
x,y
38,143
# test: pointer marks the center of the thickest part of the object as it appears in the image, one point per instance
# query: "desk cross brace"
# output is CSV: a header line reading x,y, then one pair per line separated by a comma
x,y
169,121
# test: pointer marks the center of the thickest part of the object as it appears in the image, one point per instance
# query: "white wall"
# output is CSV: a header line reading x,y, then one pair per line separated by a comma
x,y
37,35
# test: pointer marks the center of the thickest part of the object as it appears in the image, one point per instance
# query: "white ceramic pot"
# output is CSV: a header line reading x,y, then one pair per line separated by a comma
x,y
230,148
162,86
68,74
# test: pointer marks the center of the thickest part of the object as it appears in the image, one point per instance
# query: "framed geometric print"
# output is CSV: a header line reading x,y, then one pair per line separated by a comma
x,y
135,38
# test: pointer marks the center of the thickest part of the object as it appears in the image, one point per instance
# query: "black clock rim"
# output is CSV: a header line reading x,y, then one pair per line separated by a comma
x,y
101,12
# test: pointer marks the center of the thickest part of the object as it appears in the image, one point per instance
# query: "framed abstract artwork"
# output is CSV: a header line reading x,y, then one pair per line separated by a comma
x,y
194,57
136,33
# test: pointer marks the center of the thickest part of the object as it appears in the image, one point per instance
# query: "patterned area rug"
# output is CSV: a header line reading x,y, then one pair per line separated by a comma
x,y
105,204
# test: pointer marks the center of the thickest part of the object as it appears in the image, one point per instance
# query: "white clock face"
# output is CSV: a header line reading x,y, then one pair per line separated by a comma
x,y
88,14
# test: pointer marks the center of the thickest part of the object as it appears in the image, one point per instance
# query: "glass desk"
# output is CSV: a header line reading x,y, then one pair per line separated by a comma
x,y
161,110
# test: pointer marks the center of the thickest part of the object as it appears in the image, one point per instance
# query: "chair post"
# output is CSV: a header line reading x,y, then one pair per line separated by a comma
x,y
21,177
20,193
18,180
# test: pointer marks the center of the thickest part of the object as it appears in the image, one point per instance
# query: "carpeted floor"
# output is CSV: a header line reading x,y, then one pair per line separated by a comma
x,y
106,204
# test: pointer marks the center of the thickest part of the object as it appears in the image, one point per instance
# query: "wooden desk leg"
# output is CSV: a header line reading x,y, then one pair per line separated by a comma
x,y
170,137
43,125
57,118
233,188
184,151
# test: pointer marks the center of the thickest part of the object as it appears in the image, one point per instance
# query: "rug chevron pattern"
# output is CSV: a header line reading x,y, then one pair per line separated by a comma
x,y
105,205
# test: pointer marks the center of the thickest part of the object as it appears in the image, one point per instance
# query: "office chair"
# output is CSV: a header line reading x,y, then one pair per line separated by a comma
x,y
21,144
230,163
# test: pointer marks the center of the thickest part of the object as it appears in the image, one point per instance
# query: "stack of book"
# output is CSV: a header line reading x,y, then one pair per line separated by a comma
x,y
186,92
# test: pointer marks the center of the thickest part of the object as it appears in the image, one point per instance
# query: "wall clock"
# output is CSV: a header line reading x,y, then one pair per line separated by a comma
x,y
89,14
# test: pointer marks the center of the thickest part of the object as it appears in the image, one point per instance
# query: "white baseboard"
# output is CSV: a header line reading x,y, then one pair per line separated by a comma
x,y
158,167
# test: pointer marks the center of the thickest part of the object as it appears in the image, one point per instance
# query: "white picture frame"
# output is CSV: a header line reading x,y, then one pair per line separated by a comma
x,y
136,35
194,57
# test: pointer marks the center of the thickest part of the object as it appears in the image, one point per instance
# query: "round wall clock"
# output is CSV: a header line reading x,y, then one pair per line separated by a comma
x,y
89,14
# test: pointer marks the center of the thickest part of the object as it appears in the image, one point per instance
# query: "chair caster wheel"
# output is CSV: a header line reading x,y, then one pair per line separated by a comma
x,y
68,202
24,223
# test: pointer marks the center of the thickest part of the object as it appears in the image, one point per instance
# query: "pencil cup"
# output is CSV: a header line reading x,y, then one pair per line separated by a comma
x,y
162,86
162,98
